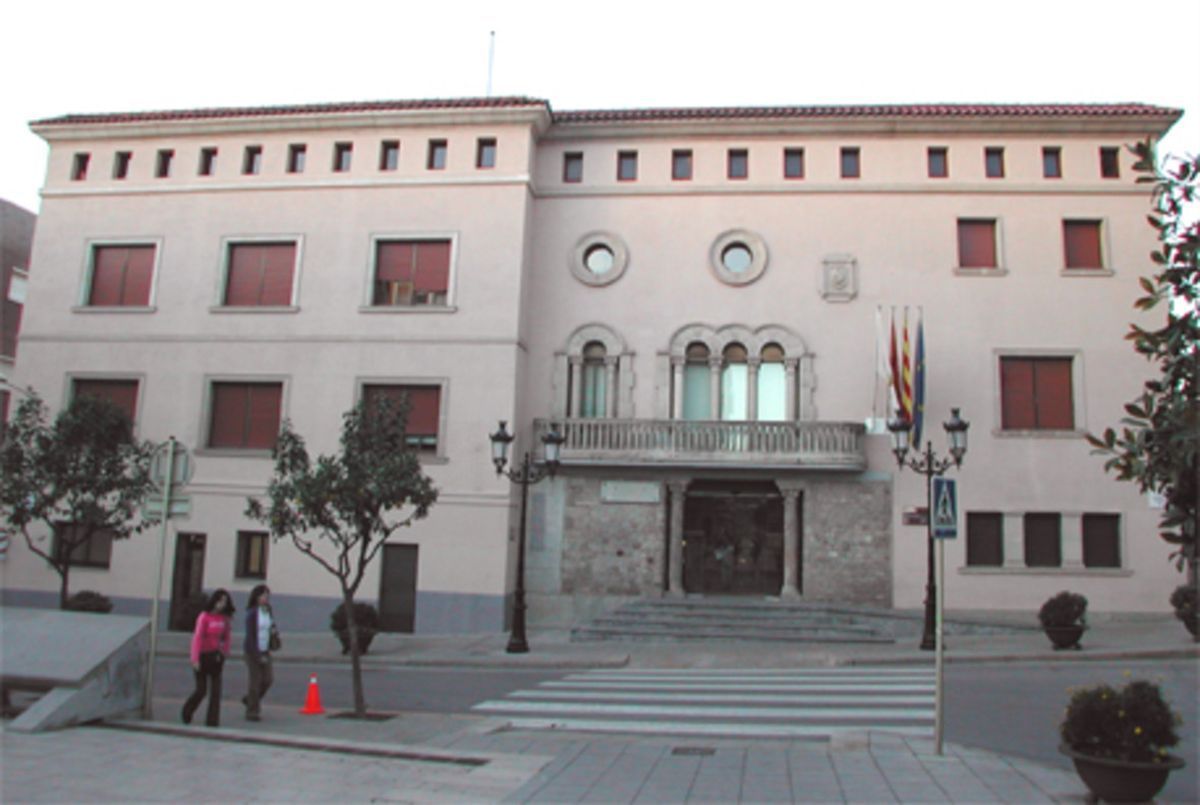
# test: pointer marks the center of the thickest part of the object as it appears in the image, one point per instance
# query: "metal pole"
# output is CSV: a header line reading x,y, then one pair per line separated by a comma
x,y
517,644
148,703
939,709
927,638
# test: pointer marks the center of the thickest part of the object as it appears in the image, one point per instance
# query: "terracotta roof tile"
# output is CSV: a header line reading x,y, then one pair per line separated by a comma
x,y
869,111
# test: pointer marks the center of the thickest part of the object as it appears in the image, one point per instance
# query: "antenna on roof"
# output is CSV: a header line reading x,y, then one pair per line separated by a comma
x,y
491,58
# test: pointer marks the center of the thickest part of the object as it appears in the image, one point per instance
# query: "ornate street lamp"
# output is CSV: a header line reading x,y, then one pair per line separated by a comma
x,y
529,473
930,466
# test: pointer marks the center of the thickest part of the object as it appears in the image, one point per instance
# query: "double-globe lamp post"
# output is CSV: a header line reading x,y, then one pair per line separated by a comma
x,y
528,473
929,465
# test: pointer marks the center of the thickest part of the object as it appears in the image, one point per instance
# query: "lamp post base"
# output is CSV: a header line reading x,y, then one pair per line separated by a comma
x,y
517,646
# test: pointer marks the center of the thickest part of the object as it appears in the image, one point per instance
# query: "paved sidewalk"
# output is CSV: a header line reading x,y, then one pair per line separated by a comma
x,y
432,757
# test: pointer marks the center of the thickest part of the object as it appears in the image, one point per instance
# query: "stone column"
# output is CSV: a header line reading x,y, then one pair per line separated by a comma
x,y
789,368
677,364
791,541
675,551
610,386
576,402
808,384
752,365
714,386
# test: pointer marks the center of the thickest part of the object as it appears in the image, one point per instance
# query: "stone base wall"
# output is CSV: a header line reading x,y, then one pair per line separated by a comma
x,y
846,541
614,535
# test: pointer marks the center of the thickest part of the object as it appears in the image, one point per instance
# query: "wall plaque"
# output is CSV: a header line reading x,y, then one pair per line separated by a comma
x,y
630,492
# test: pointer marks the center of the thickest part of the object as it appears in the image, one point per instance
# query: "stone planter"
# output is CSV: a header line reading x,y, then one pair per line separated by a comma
x,y
1064,637
365,636
1122,780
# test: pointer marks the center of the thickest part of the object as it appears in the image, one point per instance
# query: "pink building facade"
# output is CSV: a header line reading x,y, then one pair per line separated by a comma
x,y
692,297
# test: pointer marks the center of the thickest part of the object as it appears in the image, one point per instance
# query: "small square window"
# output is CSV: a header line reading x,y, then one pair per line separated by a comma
x,y
244,415
121,164
260,274
1110,162
681,165
851,169
939,164
993,162
573,167
627,164
297,155
1101,540
1036,393
122,275
977,243
252,161
411,272
93,551
424,410
436,160
485,153
738,163
208,161
793,163
121,393
251,555
162,165
79,167
1052,162
342,153
1081,244
389,155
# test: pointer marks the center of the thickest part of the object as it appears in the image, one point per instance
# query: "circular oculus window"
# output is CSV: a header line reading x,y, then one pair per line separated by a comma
x,y
599,258
738,257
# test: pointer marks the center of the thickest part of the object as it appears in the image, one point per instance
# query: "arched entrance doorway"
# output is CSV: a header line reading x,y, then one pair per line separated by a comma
x,y
733,538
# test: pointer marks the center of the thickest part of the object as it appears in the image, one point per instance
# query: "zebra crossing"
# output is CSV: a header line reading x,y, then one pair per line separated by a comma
x,y
736,703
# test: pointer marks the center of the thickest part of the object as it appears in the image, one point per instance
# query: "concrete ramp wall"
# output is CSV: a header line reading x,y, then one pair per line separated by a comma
x,y
92,665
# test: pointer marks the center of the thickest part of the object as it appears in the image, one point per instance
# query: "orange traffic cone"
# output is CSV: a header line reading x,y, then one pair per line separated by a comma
x,y
312,705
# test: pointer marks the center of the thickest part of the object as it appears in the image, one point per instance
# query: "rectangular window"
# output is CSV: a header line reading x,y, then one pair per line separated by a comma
x,y
1081,244
162,165
485,153
939,163
1101,540
1036,394
1110,162
681,165
260,274
121,275
411,272
436,159
1043,539
993,162
737,163
121,164
572,167
252,160
79,166
245,415
251,555
297,155
1052,162
851,169
389,155
121,393
95,551
424,410
341,156
985,539
627,166
208,161
793,163
977,243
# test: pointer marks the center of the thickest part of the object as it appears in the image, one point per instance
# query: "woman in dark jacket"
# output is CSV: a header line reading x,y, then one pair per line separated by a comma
x,y
260,625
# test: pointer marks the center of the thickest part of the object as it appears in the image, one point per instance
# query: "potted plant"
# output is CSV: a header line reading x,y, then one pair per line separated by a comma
x,y
366,621
1118,740
1184,601
1063,619
89,601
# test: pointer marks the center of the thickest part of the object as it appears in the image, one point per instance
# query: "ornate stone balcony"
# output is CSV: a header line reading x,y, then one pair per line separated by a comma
x,y
672,442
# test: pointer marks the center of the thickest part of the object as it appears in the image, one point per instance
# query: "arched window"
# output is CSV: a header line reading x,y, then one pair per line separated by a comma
x,y
697,394
735,403
772,385
593,404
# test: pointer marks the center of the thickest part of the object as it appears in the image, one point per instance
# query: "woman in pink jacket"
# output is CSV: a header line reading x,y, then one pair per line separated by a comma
x,y
210,647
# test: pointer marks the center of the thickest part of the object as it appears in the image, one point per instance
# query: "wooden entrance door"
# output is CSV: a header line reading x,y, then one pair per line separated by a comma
x,y
398,588
187,581
734,539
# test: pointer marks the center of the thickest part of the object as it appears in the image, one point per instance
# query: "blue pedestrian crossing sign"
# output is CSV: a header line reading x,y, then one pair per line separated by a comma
x,y
945,508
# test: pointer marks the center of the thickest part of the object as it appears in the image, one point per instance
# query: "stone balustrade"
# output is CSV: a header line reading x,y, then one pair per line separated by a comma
x,y
816,445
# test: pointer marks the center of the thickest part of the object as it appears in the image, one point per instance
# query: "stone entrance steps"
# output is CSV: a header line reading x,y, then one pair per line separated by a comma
x,y
759,620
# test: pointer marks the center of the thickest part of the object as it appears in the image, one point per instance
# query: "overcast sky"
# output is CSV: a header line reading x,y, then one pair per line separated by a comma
x,y
132,55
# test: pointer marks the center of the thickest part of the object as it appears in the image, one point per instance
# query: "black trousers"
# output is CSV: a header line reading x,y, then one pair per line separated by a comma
x,y
208,682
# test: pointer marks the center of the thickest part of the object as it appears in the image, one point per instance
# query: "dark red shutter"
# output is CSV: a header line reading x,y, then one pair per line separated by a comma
x,y
108,274
977,244
1101,540
432,270
1016,394
985,539
1043,539
1081,241
393,261
1052,384
121,393
423,410
279,265
245,275
260,274
266,399
227,425
245,415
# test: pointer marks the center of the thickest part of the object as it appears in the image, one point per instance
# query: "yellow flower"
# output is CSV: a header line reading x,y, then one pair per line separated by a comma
x,y
1137,730
1127,674
1120,714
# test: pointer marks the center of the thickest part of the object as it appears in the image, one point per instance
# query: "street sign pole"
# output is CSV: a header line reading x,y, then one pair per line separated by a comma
x,y
148,704
939,708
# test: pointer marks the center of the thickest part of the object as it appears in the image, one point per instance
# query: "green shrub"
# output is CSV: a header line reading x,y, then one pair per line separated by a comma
x,y
366,619
1134,723
1184,602
1063,609
89,601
